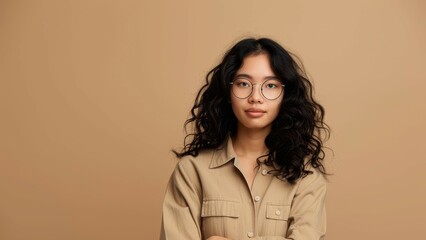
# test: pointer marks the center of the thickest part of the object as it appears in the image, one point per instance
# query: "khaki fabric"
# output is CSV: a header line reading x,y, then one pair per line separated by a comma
x,y
207,195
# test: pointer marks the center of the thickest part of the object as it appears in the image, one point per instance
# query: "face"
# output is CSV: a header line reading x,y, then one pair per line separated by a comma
x,y
255,112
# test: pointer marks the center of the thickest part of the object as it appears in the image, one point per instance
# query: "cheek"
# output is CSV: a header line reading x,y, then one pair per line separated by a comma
x,y
275,108
235,104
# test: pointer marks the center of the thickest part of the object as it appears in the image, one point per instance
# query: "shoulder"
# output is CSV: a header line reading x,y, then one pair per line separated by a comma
x,y
312,181
193,164
189,171
203,158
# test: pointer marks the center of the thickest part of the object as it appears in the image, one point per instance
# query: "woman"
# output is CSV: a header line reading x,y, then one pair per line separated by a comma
x,y
252,167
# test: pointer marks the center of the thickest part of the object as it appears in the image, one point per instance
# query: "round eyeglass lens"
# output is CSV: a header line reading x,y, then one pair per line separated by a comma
x,y
241,88
272,89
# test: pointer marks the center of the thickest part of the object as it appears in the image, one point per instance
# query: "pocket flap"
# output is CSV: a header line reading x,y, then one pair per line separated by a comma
x,y
277,211
220,208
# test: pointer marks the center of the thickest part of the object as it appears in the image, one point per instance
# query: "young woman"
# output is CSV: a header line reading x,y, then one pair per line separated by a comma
x,y
252,167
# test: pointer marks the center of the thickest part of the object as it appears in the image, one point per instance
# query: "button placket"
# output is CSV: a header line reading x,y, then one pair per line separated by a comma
x,y
257,193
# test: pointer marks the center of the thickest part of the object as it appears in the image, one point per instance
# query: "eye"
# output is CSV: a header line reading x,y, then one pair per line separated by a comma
x,y
241,83
271,85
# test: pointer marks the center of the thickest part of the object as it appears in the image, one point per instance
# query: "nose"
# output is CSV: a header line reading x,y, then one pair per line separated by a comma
x,y
256,96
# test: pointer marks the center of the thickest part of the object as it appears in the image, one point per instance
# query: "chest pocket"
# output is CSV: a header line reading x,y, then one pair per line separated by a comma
x,y
220,218
220,208
277,211
277,219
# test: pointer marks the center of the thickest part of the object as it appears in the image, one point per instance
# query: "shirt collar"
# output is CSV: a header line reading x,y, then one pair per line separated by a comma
x,y
223,155
226,153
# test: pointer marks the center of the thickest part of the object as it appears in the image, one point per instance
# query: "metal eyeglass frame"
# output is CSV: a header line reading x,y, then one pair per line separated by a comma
x,y
261,91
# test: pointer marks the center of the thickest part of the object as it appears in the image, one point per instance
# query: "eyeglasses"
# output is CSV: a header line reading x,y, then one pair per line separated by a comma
x,y
270,89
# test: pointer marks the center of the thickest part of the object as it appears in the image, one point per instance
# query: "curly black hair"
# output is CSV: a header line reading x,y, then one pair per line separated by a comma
x,y
297,134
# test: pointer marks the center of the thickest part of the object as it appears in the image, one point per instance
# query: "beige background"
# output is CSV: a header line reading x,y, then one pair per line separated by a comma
x,y
94,93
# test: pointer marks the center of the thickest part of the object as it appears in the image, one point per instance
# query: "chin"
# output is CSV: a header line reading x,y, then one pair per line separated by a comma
x,y
255,126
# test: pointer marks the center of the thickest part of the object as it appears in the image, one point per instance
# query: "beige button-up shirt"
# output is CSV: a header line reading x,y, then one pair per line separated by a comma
x,y
209,196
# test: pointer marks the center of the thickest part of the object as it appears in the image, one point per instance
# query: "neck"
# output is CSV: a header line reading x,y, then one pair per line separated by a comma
x,y
250,142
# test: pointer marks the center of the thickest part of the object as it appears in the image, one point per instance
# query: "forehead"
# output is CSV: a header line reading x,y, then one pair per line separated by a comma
x,y
256,67
256,63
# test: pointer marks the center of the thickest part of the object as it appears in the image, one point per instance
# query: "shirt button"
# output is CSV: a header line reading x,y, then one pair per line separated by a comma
x,y
250,234
277,212
264,172
257,198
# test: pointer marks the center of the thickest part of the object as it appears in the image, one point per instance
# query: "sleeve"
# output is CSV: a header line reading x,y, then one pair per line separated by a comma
x,y
307,219
182,205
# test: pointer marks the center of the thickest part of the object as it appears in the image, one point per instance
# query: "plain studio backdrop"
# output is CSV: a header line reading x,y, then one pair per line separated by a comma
x,y
94,94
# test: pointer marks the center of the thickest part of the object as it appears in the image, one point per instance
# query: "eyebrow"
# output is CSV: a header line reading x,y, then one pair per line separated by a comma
x,y
243,75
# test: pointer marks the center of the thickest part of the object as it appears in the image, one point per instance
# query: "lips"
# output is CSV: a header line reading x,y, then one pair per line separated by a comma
x,y
255,112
